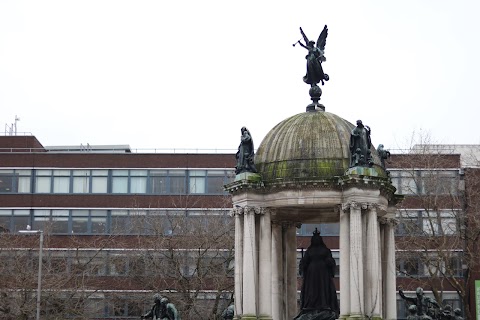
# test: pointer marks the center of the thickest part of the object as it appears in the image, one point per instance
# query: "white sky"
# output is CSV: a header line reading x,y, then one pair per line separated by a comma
x,y
190,74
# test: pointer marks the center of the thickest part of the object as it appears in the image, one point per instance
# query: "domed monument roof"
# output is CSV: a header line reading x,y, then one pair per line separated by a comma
x,y
309,145
314,145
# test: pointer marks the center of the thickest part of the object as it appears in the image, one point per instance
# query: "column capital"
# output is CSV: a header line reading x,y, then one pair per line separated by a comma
x,y
388,221
248,210
353,205
361,205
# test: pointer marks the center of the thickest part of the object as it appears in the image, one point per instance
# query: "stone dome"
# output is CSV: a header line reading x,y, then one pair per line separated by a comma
x,y
311,145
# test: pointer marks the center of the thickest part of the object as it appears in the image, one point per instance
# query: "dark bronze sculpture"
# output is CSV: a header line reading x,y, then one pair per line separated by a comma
x,y
412,313
447,313
171,312
318,296
457,314
315,57
426,308
245,154
360,145
162,310
383,154
315,74
229,313
157,311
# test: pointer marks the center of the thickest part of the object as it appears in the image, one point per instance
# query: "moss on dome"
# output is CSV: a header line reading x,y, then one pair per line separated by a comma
x,y
306,146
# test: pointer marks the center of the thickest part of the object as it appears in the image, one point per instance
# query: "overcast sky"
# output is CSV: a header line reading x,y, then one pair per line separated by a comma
x,y
190,74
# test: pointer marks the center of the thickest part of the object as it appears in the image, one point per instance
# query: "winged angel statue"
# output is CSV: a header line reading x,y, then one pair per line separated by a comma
x,y
315,58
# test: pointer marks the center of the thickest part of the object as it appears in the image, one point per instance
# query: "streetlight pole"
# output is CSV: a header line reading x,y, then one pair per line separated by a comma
x,y
39,276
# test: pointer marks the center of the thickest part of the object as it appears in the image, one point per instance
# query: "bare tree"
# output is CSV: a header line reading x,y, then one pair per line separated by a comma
x,y
188,254
439,225
69,276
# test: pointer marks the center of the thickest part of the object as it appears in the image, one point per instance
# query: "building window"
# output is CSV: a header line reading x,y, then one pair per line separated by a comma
x,y
81,181
79,221
99,181
409,266
326,229
119,181
98,221
196,181
405,181
5,220
41,220
177,181
158,181
61,181
43,181
138,181
436,182
13,181
20,220
216,179
119,222
117,265
60,221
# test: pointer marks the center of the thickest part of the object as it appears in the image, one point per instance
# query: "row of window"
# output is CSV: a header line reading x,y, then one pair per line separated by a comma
x,y
170,222
425,182
210,264
177,181
115,181
427,266
116,222
429,223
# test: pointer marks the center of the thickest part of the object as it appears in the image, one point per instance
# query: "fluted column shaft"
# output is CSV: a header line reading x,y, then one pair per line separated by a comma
x,y
291,269
344,264
389,274
356,262
277,273
238,263
249,264
372,298
265,267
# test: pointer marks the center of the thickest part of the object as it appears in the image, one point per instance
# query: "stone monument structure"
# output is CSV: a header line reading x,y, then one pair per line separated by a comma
x,y
304,172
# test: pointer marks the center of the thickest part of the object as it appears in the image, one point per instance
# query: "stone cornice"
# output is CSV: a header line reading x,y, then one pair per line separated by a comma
x,y
336,183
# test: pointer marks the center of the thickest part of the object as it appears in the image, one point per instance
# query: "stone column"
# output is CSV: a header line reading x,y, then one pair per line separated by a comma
x,y
238,260
344,263
249,302
372,298
380,266
278,311
291,269
265,267
390,272
356,262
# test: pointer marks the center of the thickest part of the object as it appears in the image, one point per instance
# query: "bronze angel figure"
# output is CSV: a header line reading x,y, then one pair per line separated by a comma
x,y
315,57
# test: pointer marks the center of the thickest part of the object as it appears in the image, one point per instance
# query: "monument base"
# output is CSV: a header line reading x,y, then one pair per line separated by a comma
x,y
249,176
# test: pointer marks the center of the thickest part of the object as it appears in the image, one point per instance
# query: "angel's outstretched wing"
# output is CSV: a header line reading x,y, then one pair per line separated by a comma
x,y
322,39
304,36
